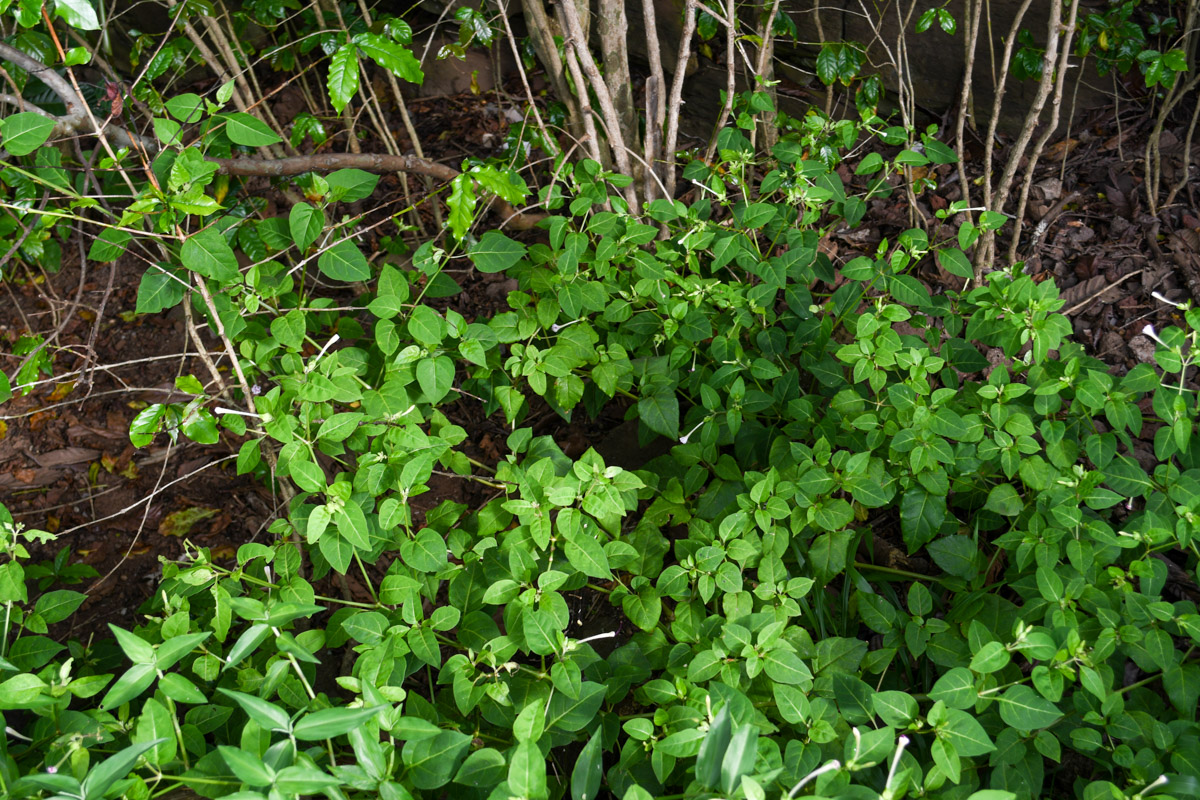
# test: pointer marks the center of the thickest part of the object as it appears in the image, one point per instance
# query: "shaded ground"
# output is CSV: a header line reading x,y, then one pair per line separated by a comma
x,y
66,464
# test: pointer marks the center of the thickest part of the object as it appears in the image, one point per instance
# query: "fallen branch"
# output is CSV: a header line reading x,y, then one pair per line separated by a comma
x,y
76,119
369,162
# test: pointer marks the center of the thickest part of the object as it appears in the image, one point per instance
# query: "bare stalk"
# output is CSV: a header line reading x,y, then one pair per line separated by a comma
x,y
676,100
730,77
656,102
577,41
1060,80
986,246
965,103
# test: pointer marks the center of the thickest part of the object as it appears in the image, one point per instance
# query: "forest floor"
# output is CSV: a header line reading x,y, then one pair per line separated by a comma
x,y
67,466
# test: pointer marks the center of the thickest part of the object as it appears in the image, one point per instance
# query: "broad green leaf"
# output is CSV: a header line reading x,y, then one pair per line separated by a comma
x,y
207,253
586,554
461,203
739,757
159,290
1026,710
432,761
24,132
712,749
78,14
305,224
956,689
1004,500
483,769
527,772
268,715
391,56
344,262
573,714
588,770
351,185
660,413
495,252
249,769
104,775
58,605
330,722
155,726
249,131
343,76
109,245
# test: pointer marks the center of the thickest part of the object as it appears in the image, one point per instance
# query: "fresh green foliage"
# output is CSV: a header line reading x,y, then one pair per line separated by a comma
x,y
900,544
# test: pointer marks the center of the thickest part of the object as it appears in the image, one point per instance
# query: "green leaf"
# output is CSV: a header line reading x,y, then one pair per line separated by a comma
x,y
495,252
78,14
330,722
268,715
527,772
956,689
739,757
786,667
386,53
660,413
588,770
484,768
248,769
897,709
955,262
207,253
24,132
712,749
104,775
572,714
136,649
432,761
110,244
1004,500
921,516
461,203
58,605
1026,710
159,290
351,185
249,131
435,377
585,554
344,262
992,657
343,76
966,734
305,224
155,726
132,683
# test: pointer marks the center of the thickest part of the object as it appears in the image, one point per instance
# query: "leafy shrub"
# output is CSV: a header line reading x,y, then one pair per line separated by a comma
x,y
766,634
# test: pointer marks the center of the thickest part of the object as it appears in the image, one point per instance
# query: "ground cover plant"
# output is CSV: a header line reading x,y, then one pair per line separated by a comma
x,y
720,614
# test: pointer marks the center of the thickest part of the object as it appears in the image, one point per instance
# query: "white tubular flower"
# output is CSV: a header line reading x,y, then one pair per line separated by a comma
x,y
901,743
684,439
1162,299
1151,333
812,776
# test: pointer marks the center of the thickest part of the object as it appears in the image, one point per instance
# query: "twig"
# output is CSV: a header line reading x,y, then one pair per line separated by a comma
x,y
1060,80
616,138
676,99
1095,295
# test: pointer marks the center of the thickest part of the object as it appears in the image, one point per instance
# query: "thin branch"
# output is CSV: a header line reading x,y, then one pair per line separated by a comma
x,y
676,100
